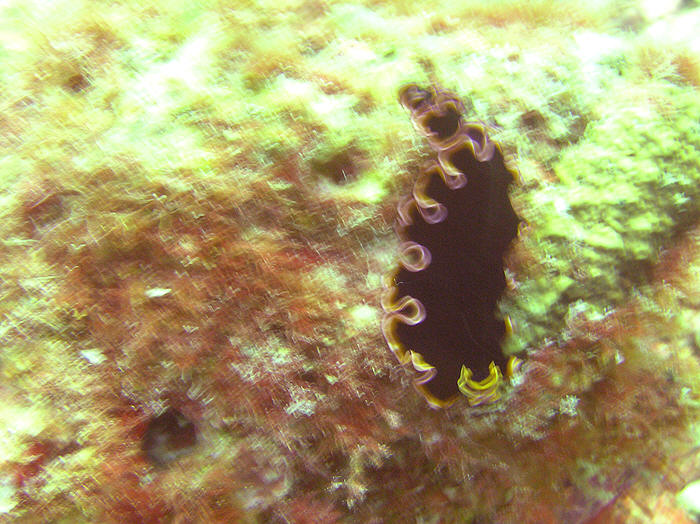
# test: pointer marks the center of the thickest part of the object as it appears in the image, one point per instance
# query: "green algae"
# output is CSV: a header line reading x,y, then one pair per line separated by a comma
x,y
624,191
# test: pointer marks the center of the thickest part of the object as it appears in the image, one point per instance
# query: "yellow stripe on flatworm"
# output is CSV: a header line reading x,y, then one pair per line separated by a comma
x,y
433,401
437,101
438,108
482,155
513,366
433,213
395,345
396,312
388,298
445,154
404,208
481,129
451,180
512,167
483,149
413,256
482,391
430,209
509,326
404,302
426,370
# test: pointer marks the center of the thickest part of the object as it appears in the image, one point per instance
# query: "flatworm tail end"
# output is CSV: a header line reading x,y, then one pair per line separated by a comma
x,y
440,302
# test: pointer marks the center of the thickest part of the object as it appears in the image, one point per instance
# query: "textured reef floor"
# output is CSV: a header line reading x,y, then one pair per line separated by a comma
x,y
197,205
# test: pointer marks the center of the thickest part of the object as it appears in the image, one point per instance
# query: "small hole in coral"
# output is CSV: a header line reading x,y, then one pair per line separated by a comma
x,y
168,437
533,119
340,168
76,83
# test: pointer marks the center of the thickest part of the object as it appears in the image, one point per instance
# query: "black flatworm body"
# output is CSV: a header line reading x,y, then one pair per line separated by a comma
x,y
440,304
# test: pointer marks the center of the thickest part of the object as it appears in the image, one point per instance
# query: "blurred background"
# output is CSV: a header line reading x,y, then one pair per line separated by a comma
x,y
197,203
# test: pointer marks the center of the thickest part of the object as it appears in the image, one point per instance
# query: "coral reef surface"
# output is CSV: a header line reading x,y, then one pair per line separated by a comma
x,y
196,210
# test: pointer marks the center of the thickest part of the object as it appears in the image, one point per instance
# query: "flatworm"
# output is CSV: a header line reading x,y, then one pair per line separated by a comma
x,y
455,227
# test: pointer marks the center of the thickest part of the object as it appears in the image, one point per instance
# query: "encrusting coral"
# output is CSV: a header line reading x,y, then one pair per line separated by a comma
x,y
196,215
456,225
